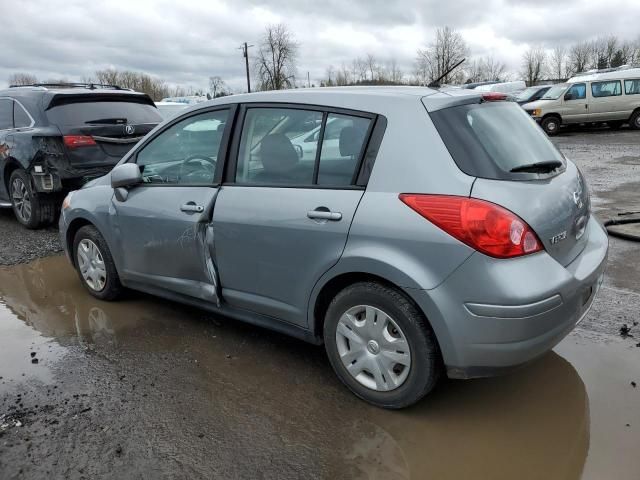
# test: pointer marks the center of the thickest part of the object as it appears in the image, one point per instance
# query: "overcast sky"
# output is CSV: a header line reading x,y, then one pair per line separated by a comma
x,y
184,42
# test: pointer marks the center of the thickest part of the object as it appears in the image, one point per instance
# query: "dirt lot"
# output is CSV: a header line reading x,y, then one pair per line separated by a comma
x,y
145,388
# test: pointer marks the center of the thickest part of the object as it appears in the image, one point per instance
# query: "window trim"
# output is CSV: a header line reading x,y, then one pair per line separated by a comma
x,y
605,81
630,80
222,153
13,115
234,149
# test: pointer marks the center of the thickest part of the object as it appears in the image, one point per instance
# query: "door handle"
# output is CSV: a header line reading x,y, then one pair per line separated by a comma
x,y
192,207
324,215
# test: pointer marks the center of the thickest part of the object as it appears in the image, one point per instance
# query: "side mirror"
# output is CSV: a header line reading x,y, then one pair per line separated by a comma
x,y
568,96
126,175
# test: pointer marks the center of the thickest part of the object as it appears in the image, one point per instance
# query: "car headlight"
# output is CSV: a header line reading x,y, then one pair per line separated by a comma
x,y
537,112
66,203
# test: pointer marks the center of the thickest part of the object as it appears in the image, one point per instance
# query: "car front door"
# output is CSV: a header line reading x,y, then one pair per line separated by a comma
x,y
281,221
576,105
164,224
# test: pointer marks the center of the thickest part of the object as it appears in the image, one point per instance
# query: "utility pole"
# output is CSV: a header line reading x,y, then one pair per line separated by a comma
x,y
308,80
245,53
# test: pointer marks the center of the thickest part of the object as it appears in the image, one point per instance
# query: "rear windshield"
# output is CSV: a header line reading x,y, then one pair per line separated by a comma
x,y
490,139
103,112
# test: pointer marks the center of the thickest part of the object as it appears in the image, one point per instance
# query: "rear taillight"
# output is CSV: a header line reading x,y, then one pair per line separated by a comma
x,y
484,226
75,141
493,96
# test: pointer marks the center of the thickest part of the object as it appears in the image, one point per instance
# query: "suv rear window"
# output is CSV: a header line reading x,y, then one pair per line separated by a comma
x,y
490,139
85,110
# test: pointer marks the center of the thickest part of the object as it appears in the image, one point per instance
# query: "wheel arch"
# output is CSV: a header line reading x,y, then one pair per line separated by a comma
x,y
325,292
552,114
10,166
75,225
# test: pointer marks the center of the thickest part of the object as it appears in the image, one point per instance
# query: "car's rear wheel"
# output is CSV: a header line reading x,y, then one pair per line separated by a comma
x,y
634,122
95,265
33,210
381,346
551,125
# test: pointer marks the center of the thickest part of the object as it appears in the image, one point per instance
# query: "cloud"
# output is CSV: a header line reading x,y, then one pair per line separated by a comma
x,y
185,42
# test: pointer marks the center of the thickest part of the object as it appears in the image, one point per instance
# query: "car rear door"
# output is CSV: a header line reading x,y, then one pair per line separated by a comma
x,y
163,226
607,102
280,220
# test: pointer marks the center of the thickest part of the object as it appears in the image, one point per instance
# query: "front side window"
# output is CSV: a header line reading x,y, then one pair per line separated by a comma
x,y
632,87
577,91
606,89
186,153
6,114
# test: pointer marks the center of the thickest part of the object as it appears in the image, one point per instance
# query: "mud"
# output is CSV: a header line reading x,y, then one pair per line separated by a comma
x,y
145,388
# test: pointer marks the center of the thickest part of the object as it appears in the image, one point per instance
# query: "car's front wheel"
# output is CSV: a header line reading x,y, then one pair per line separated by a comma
x,y
95,265
381,346
551,125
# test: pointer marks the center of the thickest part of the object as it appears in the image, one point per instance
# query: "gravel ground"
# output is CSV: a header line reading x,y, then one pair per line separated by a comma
x,y
19,245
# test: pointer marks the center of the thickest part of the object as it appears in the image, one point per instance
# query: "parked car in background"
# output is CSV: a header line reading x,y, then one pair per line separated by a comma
x,y
531,94
612,97
503,87
55,138
170,109
411,250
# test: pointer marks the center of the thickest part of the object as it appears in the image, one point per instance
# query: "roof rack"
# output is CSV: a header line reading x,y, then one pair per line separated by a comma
x,y
594,71
90,86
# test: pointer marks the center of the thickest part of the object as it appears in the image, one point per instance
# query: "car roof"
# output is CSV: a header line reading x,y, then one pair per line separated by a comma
x,y
31,89
375,99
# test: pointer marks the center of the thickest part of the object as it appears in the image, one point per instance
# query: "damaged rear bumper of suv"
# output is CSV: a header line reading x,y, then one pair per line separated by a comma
x,y
498,319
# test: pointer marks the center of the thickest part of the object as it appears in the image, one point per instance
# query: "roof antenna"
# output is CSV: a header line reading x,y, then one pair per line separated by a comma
x,y
436,82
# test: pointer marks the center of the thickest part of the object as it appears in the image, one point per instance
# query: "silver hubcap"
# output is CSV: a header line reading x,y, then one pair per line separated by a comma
x,y
91,265
551,126
21,199
373,348
638,121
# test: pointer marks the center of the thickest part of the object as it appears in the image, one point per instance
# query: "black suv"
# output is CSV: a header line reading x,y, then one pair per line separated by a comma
x,y
54,138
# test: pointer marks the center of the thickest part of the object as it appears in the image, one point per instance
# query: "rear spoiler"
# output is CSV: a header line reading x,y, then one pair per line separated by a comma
x,y
67,98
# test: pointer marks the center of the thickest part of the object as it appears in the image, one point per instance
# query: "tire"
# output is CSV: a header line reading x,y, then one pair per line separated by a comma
x,y
396,387
551,125
32,209
634,121
91,250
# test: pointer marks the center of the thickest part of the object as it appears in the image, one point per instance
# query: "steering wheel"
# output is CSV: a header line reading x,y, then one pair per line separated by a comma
x,y
203,171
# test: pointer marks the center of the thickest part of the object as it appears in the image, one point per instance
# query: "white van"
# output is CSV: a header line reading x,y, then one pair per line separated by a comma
x,y
612,97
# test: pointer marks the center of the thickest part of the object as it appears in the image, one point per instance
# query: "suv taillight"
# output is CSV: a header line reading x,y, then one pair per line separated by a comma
x,y
75,141
484,226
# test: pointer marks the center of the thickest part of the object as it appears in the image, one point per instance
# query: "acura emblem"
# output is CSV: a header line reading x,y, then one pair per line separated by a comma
x,y
129,129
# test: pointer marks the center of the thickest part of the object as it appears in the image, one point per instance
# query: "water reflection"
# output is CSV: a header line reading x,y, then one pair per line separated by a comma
x,y
263,389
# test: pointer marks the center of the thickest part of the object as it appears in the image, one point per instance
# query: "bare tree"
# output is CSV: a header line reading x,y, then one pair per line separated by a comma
x,y
394,74
534,64
277,57
138,81
21,78
216,86
580,57
440,56
372,65
558,62
485,69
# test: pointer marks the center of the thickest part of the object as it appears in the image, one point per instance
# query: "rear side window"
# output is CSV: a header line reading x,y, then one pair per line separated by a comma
x,y
287,146
6,113
20,117
489,140
632,87
606,89
102,111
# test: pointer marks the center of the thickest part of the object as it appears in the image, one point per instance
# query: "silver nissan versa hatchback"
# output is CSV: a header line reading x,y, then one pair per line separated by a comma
x,y
414,232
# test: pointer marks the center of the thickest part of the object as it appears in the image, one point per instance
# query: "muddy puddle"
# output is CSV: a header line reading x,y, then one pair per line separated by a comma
x,y
173,391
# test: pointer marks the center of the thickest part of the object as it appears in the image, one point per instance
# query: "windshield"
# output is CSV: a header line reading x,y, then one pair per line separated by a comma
x,y
490,140
526,94
554,92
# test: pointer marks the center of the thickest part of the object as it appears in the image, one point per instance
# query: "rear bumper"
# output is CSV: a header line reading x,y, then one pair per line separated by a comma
x,y
493,315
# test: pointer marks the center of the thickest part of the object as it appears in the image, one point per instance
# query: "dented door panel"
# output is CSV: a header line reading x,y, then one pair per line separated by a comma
x,y
163,245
